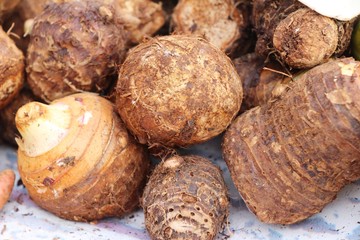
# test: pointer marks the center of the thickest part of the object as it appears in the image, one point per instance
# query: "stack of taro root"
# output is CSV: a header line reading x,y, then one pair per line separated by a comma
x,y
90,91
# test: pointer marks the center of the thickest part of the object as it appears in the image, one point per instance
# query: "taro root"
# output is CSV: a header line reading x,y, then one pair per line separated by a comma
x,y
77,159
289,158
177,91
74,46
218,21
7,179
301,37
11,69
185,198
142,18
7,116
262,81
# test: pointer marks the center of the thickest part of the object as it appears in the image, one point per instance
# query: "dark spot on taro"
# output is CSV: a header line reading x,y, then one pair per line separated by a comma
x,y
48,181
193,27
79,99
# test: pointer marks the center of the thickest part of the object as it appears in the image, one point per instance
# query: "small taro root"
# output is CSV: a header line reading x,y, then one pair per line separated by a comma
x,y
77,159
185,198
177,90
11,69
7,179
218,21
7,116
300,36
262,81
142,18
290,157
74,46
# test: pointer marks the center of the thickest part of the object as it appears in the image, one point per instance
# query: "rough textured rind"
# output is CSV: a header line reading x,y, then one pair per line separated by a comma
x,y
289,158
177,90
98,170
142,18
218,21
74,46
305,38
11,69
298,35
185,198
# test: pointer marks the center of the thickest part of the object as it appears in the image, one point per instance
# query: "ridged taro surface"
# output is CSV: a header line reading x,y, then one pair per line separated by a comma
x,y
289,158
185,198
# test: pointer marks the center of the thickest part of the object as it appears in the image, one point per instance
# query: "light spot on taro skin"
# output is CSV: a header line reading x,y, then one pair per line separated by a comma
x,y
339,96
276,147
347,69
84,119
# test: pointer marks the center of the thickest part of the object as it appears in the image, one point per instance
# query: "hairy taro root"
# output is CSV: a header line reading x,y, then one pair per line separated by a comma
x,y
11,69
301,37
77,159
289,158
74,46
177,91
141,18
7,179
185,198
218,21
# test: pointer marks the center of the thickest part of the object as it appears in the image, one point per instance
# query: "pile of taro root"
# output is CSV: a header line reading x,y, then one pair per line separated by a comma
x,y
91,91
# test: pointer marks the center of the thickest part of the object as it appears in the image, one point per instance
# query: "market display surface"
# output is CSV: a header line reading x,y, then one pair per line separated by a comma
x,y
179,119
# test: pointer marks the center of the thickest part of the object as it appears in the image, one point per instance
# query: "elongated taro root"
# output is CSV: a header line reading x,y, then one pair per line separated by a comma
x,y
177,91
7,179
74,46
218,21
185,198
141,18
289,158
301,37
77,160
11,69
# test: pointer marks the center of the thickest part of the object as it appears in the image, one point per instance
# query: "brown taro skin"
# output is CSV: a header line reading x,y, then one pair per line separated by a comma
x,y
142,18
11,69
74,46
185,198
290,157
177,91
297,35
305,38
218,21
